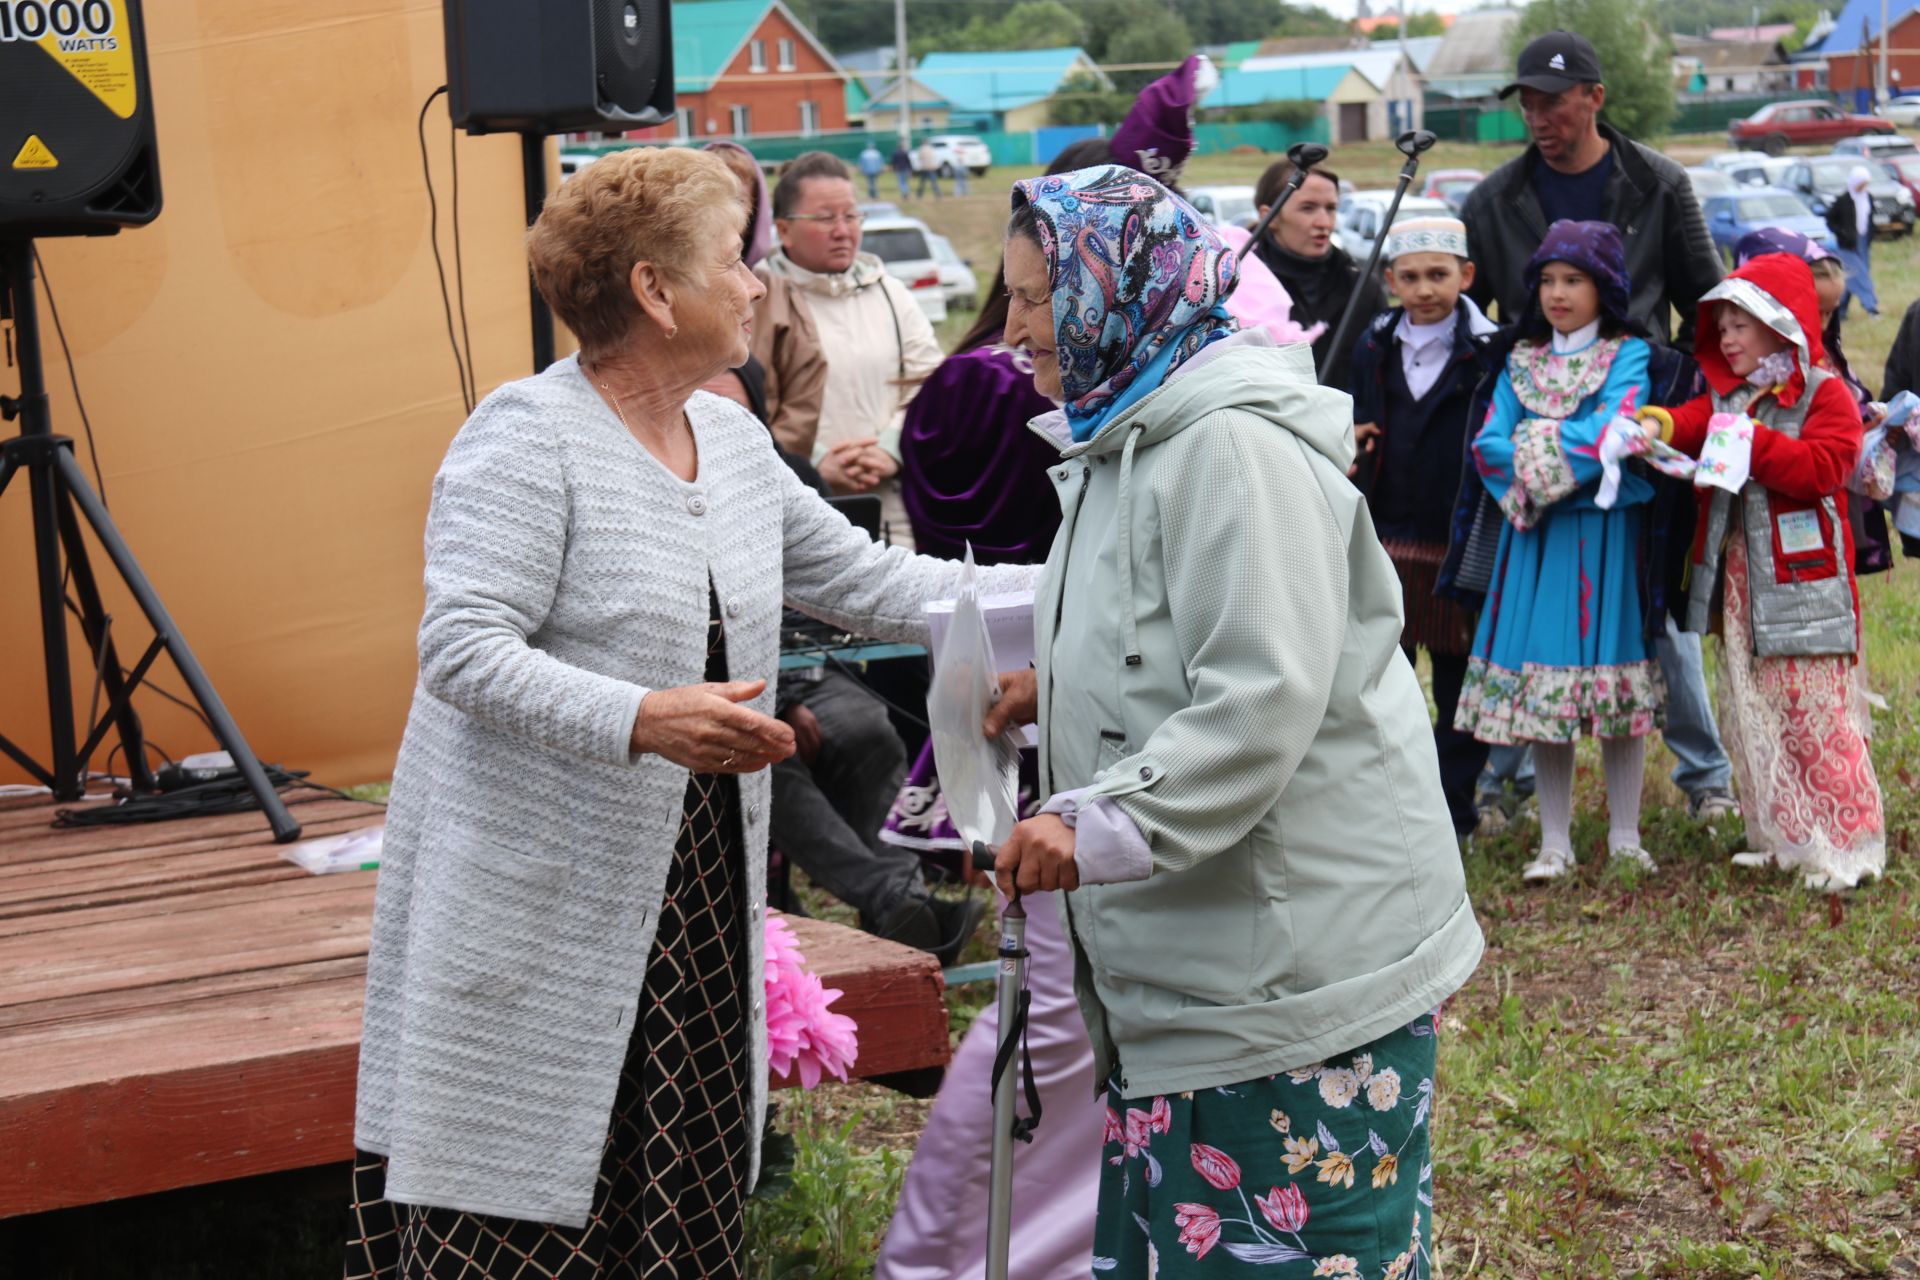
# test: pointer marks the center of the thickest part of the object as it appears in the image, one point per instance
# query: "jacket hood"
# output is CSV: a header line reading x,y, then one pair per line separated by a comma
x,y
1777,290
758,237
866,270
1245,371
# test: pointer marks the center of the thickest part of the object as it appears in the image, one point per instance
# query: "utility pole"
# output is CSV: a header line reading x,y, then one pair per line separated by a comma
x,y
1406,68
900,68
1885,87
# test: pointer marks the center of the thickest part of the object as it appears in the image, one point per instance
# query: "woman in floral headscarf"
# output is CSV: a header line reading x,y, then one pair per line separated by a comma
x,y
1562,648
1259,941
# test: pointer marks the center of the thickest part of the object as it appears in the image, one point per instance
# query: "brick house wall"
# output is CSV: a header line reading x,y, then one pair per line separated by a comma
x,y
773,97
1851,71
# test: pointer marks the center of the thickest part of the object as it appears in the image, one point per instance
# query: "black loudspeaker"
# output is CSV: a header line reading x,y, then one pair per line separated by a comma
x,y
558,66
77,154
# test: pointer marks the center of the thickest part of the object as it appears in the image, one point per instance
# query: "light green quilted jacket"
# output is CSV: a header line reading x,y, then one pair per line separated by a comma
x,y
1218,652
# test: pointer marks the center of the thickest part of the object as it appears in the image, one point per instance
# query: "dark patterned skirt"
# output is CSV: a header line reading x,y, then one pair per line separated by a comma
x,y
1435,623
671,1195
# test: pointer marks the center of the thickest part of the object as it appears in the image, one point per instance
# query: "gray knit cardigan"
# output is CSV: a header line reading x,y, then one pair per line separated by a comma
x,y
527,849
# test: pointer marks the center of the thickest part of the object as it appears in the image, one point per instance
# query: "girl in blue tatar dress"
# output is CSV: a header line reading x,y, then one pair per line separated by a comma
x,y
1561,648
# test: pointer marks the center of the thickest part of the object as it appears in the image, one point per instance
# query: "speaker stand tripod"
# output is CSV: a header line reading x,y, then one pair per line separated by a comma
x,y
56,487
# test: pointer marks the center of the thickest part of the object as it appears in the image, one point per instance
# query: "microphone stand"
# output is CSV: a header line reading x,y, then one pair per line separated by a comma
x,y
1412,144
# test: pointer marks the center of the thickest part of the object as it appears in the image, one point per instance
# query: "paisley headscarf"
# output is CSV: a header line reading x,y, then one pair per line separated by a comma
x,y
1593,247
1139,280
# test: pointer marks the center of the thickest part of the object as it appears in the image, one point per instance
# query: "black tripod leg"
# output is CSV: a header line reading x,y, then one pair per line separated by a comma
x,y
98,629
45,491
7,466
231,739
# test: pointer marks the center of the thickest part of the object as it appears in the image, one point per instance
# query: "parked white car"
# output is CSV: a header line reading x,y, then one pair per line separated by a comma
x,y
905,245
1760,170
1876,145
1360,216
1224,206
1903,111
961,151
956,274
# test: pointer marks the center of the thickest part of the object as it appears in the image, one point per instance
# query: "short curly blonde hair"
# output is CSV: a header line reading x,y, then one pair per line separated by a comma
x,y
663,205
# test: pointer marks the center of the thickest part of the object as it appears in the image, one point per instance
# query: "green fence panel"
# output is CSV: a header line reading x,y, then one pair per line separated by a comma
x,y
1500,126
1217,138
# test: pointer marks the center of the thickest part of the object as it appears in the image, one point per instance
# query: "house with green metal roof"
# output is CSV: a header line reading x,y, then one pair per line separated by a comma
x,y
747,69
1006,89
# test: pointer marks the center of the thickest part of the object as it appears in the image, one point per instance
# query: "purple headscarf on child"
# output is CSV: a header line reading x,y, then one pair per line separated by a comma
x,y
1593,247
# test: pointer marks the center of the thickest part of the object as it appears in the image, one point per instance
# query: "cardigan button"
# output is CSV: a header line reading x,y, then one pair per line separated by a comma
x,y
753,812
733,607
697,505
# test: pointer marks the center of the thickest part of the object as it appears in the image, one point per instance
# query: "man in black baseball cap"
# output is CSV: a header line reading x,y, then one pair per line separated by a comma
x,y
1581,168
1554,63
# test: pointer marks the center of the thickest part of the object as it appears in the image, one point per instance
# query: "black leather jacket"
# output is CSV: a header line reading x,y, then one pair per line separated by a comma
x,y
1670,256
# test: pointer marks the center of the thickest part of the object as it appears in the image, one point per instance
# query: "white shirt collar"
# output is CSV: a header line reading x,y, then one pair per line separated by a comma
x,y
1568,343
1425,335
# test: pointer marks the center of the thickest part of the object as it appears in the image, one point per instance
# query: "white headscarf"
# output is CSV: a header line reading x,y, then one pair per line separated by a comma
x,y
1857,180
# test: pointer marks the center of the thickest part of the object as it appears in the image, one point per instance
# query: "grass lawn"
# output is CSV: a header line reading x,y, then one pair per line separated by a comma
x,y
1704,1075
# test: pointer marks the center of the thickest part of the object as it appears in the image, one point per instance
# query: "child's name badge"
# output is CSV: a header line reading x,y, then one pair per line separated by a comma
x,y
1800,531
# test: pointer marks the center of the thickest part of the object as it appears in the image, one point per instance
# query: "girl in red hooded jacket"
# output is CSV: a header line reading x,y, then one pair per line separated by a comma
x,y
1772,572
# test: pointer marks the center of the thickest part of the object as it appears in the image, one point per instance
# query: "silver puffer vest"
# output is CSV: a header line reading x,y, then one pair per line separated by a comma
x,y
1802,602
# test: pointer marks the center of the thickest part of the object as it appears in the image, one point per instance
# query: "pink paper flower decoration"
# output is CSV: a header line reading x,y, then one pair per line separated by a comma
x,y
804,1037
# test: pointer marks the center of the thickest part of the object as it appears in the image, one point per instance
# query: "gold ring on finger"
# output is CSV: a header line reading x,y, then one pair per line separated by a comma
x,y
728,762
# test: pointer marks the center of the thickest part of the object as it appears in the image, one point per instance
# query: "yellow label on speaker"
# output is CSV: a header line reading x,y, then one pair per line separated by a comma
x,y
34,155
90,38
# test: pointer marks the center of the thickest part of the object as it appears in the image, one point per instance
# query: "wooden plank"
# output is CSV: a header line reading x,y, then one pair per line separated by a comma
x,y
180,995
175,946
252,1086
124,870
50,857
267,887
235,827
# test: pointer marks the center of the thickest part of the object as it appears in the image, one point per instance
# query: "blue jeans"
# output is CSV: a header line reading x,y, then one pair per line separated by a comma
x,y
1691,733
906,179
1507,764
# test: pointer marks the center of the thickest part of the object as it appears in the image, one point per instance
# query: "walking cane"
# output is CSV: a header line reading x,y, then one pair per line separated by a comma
x,y
1007,1123
1412,144
1303,155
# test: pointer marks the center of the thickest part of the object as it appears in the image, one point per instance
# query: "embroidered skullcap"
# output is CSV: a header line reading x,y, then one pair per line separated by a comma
x,y
1427,235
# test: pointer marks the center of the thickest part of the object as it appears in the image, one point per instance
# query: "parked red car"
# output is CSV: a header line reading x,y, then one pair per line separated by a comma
x,y
1779,125
1452,185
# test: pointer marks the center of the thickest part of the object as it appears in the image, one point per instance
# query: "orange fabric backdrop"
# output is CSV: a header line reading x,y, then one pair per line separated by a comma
x,y
269,377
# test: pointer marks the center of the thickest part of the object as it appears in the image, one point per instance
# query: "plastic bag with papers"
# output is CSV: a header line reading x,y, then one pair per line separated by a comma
x,y
979,776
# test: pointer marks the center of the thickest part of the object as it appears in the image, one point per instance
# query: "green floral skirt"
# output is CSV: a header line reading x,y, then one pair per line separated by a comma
x,y
1320,1172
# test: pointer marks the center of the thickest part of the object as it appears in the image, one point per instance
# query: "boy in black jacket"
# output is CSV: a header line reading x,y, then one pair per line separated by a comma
x,y
1414,373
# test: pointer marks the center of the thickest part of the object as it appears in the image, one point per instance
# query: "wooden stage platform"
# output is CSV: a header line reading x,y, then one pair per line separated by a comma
x,y
180,1005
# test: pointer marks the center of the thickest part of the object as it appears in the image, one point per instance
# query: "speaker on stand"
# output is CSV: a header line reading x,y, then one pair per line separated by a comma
x,y
556,66
77,145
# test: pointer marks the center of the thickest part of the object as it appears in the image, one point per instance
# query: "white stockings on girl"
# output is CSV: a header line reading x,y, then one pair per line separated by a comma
x,y
1624,760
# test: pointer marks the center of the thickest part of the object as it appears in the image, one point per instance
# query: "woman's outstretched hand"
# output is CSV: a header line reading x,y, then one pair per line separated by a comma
x,y
704,728
1019,703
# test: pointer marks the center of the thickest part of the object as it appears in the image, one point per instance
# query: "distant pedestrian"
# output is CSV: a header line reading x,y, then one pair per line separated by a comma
x,y
927,161
872,165
902,163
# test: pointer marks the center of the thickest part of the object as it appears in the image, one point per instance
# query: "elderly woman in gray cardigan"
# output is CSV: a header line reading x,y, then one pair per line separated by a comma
x,y
564,1065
